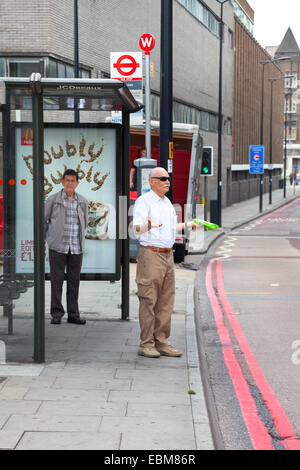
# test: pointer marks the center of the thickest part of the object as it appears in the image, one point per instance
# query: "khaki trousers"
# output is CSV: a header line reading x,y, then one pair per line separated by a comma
x,y
155,278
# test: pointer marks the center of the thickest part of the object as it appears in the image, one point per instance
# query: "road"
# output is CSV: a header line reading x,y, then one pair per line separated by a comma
x,y
247,319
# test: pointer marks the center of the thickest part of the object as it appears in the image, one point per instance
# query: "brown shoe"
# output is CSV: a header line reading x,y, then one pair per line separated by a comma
x,y
168,350
148,352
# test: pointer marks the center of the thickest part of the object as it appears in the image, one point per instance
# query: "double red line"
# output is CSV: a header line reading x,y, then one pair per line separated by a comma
x,y
258,432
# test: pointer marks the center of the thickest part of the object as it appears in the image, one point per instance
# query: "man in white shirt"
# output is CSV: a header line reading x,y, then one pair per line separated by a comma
x,y
155,224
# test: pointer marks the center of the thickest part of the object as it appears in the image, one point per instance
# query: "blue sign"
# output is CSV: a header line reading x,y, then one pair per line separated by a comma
x,y
256,159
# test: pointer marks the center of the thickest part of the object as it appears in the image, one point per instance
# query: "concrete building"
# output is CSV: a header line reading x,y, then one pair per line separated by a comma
x,y
43,42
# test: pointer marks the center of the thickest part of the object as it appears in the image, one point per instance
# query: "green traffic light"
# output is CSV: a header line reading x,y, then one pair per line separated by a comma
x,y
205,170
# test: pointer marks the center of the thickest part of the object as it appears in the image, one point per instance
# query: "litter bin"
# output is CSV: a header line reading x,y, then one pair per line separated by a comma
x,y
214,211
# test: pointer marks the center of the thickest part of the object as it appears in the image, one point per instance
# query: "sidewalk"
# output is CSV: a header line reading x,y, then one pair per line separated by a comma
x,y
95,392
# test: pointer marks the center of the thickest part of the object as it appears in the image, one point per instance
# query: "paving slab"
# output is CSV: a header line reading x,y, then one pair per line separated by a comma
x,y
79,423
149,397
9,439
21,370
152,410
87,409
50,394
91,383
150,432
69,441
20,406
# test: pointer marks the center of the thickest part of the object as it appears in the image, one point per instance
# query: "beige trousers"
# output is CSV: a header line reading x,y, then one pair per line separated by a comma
x,y
155,278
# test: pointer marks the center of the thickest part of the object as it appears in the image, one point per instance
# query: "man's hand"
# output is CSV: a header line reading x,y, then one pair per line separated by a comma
x,y
140,229
192,225
152,224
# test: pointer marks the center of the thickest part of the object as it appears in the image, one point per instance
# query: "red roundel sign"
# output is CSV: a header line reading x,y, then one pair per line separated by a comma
x,y
147,43
126,65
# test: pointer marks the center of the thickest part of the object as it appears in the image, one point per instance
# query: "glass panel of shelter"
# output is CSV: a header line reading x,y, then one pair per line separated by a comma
x,y
16,281
17,322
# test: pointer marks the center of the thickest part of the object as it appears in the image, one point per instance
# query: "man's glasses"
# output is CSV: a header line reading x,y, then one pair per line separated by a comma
x,y
161,178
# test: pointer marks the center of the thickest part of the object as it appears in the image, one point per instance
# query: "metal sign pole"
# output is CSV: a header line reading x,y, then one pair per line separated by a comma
x,y
38,208
125,241
147,103
147,43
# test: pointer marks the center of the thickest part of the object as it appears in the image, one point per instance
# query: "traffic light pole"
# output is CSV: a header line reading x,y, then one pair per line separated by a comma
x,y
205,197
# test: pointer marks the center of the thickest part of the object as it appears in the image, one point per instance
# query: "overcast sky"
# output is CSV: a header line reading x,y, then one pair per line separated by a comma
x,y
272,19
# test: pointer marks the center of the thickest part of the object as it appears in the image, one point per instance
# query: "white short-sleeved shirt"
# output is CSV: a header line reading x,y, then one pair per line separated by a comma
x,y
159,210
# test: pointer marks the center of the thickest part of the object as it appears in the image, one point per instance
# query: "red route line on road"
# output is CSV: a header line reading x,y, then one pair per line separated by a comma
x,y
258,433
280,419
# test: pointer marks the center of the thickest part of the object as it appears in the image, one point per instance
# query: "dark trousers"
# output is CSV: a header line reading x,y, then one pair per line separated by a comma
x,y
58,263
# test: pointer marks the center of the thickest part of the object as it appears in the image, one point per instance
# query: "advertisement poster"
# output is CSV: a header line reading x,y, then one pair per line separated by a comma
x,y
92,152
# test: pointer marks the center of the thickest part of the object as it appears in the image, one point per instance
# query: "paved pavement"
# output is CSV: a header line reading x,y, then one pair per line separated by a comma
x,y
95,392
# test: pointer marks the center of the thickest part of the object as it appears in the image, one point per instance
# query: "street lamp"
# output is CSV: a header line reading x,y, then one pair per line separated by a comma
x,y
76,56
272,80
219,201
263,63
166,90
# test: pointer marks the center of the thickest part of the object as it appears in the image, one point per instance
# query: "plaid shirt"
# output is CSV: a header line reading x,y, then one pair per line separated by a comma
x,y
71,237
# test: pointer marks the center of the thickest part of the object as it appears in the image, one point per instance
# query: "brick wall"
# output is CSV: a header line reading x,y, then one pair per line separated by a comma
x,y
247,99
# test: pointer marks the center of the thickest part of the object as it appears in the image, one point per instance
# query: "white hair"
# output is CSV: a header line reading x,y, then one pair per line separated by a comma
x,y
154,171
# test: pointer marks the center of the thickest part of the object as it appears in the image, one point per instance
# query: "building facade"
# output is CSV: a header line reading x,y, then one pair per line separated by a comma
x,y
44,42
247,98
291,68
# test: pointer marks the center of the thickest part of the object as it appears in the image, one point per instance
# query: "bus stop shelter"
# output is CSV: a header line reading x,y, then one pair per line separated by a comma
x,y
35,153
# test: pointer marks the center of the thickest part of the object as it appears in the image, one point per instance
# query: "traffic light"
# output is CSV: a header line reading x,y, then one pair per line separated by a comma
x,y
207,161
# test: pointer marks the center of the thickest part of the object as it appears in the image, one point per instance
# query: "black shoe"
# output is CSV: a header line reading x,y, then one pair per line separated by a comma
x,y
56,321
76,320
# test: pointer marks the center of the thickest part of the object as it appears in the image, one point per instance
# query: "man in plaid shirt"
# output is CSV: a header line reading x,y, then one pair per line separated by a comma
x,y
66,217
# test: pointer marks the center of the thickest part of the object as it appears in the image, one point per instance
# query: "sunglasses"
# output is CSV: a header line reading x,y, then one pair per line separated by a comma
x,y
161,178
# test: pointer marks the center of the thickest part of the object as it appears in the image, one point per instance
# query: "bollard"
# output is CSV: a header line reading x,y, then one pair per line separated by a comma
x,y
2,352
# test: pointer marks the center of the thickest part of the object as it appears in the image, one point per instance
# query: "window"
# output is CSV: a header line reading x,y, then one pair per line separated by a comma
x,y
242,16
203,14
84,73
292,81
186,114
290,105
3,68
105,75
155,106
69,71
59,69
228,126
291,131
25,67
230,39
52,69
